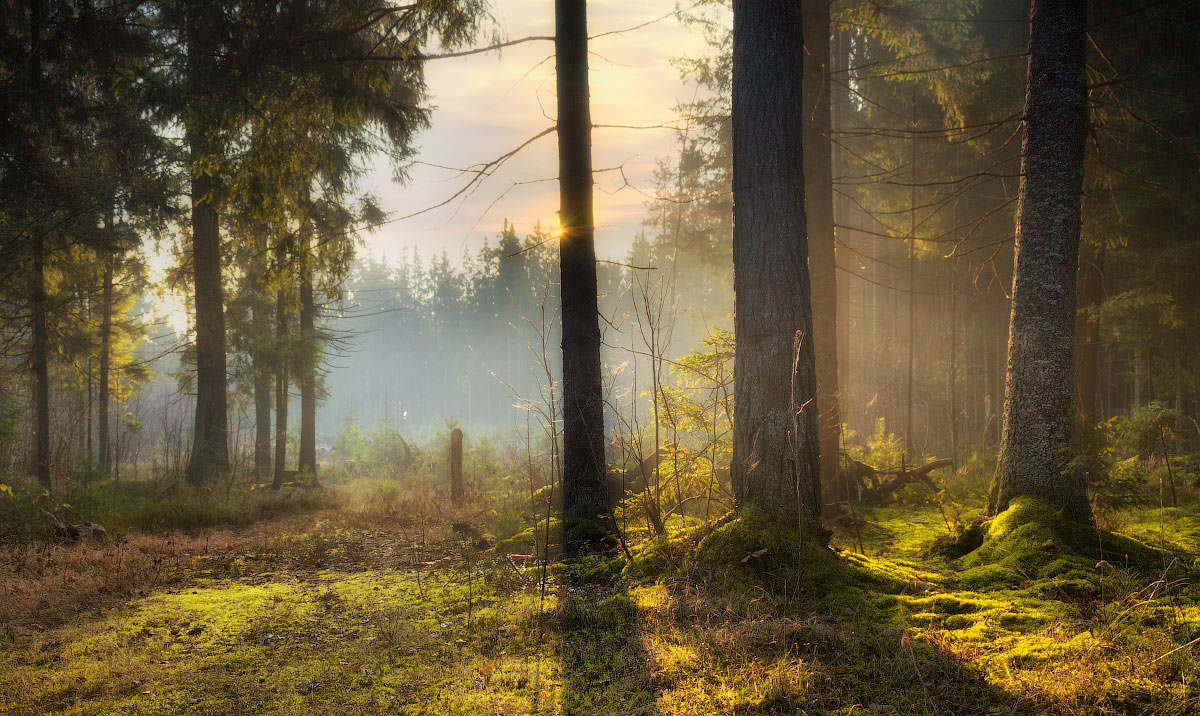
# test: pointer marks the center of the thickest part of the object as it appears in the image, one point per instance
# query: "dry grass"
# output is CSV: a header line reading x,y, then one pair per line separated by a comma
x,y
42,583
378,607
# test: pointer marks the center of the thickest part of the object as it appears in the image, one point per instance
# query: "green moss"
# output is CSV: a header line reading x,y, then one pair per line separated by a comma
x,y
716,626
1032,539
532,538
988,577
1022,512
595,568
962,542
747,553
589,535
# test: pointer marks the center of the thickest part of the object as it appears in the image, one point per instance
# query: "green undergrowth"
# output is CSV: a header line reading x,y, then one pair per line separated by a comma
x,y
734,616
531,540
1033,615
125,507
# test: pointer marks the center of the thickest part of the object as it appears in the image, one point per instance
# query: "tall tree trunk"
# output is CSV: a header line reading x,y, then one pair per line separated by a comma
x,y
307,457
952,369
39,336
39,353
1087,334
770,263
953,390
90,448
262,389
102,408
1038,440
996,368
818,197
210,447
281,389
852,337
210,455
584,485
912,282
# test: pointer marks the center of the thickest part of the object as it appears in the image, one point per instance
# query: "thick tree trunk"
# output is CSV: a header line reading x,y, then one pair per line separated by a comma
x,y
818,197
210,448
1038,441
102,408
281,390
40,352
770,261
210,455
262,391
307,457
584,486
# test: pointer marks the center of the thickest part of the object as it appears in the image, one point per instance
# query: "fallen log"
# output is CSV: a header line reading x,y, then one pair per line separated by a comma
x,y
72,533
871,488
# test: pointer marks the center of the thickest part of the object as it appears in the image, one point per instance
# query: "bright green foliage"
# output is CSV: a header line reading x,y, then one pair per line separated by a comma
x,y
695,418
881,450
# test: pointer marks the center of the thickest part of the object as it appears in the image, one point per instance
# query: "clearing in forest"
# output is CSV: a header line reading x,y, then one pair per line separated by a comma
x,y
349,611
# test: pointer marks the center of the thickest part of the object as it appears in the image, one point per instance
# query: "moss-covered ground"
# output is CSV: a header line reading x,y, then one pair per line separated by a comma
x,y
337,613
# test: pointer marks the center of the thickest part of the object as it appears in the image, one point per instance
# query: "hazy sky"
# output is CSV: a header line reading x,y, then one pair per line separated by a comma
x,y
486,105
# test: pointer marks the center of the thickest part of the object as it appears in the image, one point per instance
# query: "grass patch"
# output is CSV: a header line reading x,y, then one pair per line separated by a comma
x,y
357,610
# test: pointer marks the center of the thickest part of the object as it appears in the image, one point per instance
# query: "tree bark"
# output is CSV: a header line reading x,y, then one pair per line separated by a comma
x,y
307,457
102,407
210,448
39,353
770,261
818,196
1038,441
584,486
457,491
262,390
281,389
911,298
952,363
39,336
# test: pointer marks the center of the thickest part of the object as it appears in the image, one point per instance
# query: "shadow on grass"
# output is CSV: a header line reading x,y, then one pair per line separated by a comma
x,y
606,668
742,619
844,652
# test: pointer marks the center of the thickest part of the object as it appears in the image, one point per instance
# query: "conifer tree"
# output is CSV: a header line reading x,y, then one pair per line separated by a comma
x,y
1038,444
775,452
584,479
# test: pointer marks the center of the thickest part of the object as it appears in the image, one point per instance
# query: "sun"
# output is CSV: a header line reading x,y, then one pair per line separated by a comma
x,y
170,307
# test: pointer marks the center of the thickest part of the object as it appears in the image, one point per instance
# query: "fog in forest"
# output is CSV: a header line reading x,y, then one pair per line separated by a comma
x,y
545,356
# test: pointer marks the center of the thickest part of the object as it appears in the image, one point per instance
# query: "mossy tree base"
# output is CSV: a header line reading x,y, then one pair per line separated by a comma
x,y
1033,540
749,547
588,535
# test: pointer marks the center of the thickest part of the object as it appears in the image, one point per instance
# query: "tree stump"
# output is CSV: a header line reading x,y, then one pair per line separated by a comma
x,y
456,466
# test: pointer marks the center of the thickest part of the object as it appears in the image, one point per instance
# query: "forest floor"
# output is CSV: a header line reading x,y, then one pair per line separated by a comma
x,y
348,612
